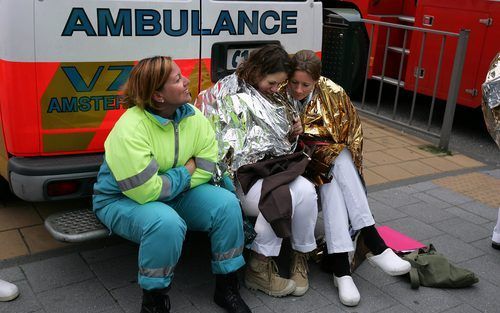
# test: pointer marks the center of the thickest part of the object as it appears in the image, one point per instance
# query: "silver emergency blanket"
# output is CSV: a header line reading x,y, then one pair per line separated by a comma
x,y
248,125
491,100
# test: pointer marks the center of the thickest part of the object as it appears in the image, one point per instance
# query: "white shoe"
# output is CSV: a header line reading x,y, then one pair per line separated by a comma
x,y
348,292
390,263
8,291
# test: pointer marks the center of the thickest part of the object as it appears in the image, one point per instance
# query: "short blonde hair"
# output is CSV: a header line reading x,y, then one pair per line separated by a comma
x,y
147,76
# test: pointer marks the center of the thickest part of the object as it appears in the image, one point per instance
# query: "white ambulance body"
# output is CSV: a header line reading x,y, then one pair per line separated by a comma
x,y
62,63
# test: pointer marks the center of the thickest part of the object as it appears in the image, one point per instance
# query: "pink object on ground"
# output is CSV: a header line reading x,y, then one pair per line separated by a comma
x,y
397,241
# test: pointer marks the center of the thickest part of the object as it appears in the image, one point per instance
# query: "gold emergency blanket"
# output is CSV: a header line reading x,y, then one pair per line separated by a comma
x,y
330,123
491,100
248,126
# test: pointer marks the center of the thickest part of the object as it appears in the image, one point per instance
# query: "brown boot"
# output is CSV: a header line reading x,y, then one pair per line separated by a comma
x,y
263,275
298,273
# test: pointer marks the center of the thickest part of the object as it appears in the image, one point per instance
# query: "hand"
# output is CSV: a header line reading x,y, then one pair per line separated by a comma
x,y
191,166
296,127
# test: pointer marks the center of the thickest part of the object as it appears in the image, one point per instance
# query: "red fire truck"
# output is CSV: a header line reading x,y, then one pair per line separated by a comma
x,y
481,17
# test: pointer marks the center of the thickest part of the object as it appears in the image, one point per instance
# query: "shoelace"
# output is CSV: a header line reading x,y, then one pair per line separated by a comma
x,y
300,264
272,268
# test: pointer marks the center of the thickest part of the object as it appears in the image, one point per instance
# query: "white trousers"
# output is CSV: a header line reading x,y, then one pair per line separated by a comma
x,y
304,215
343,200
496,230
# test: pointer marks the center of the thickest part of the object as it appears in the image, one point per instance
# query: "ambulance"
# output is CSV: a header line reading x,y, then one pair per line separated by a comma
x,y
62,63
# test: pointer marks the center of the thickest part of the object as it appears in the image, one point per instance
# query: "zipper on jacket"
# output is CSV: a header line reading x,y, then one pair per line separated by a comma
x,y
176,144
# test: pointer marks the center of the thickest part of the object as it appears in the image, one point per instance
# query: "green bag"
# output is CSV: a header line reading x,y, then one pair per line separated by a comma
x,y
431,269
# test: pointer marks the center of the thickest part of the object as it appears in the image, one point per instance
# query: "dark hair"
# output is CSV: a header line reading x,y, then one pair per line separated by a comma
x,y
147,76
307,61
267,60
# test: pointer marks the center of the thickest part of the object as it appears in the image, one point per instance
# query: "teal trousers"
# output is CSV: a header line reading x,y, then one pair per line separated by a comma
x,y
159,229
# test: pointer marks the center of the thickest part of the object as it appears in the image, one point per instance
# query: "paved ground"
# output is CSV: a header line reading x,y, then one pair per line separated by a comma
x,y
448,200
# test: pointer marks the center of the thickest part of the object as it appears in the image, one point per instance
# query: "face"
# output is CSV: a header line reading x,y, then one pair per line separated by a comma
x,y
301,85
174,92
270,83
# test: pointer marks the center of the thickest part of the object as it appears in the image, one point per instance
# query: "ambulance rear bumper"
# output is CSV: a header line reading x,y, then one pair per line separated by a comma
x,y
31,177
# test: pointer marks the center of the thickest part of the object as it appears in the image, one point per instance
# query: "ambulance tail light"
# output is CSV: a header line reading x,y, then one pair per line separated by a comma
x,y
63,188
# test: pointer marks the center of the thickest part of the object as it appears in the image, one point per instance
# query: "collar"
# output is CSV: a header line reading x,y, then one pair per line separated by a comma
x,y
180,113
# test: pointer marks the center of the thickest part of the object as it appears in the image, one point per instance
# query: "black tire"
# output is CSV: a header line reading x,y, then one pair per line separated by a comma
x,y
5,192
345,53
361,44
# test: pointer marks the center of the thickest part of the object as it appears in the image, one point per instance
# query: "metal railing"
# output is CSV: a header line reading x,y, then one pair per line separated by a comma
x,y
453,89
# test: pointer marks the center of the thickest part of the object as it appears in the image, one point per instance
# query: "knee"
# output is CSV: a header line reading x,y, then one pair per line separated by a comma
x,y
166,226
304,198
310,191
228,212
229,206
344,159
303,187
340,161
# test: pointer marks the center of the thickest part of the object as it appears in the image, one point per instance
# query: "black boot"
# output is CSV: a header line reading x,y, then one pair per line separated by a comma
x,y
155,301
227,294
